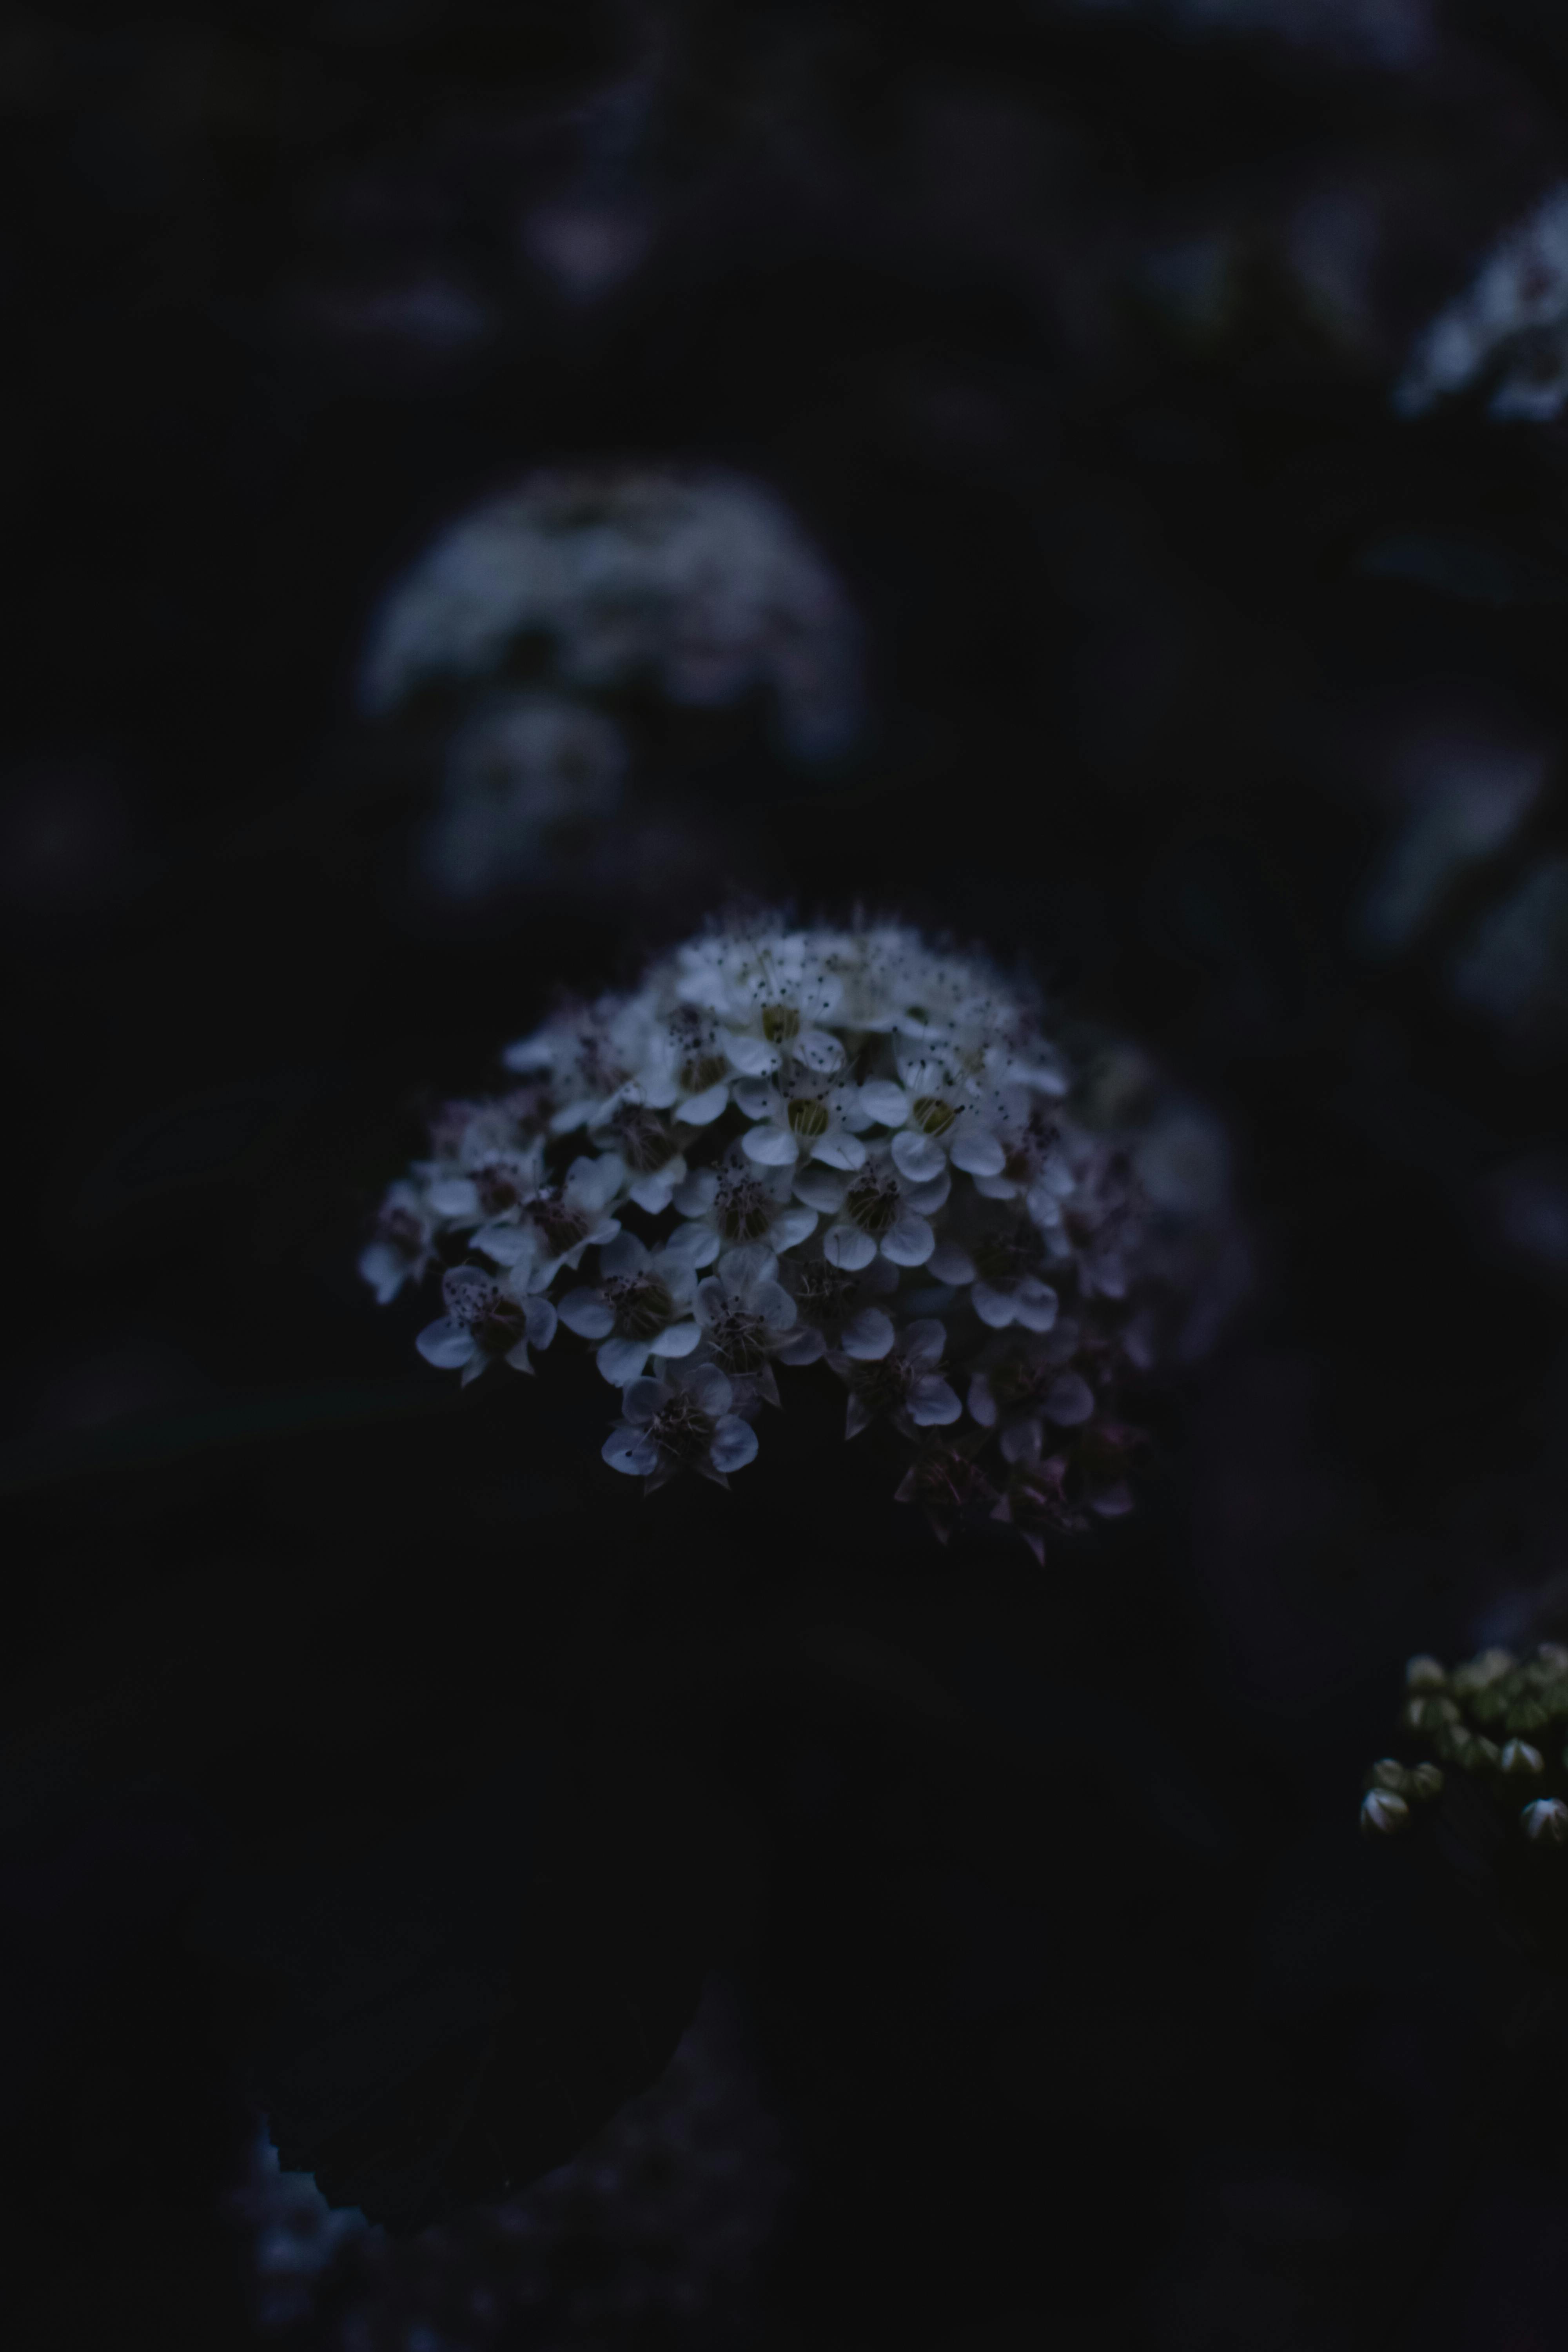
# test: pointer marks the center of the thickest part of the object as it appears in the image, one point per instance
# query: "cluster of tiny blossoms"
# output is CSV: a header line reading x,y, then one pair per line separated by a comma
x,y
798,1146
1497,1717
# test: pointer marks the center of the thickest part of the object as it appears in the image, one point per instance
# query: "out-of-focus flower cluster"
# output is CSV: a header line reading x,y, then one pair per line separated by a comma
x,y
1510,323
1498,1717
844,1146
659,2223
696,579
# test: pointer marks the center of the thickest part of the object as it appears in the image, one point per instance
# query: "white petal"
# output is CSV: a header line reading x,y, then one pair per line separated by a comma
x,y
697,1194
517,1356
918,1157
839,1151
993,1306
629,1449
575,1115
924,1341
620,1361
710,1301
385,1269
982,1403
848,1247
643,1399
625,1255
931,1403
734,1444
888,1104
679,1277
1022,1442
925,1199
869,1335
820,1188
652,1193
910,1241
477,1362
1033,1304
976,1150
445,1344
675,1339
819,1050
508,1244
540,1321
1115,1502
455,1196
792,1227
746,1264
592,1184
753,1057
754,1098
709,1390
775,1305
701,1110
805,1346
698,1245
530,1054
996,1188
950,1264
1069,1400
769,1147
1044,1207
589,1314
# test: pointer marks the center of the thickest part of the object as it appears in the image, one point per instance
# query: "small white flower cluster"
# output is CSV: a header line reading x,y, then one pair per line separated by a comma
x,y
1512,318
842,1146
1522,1701
700,578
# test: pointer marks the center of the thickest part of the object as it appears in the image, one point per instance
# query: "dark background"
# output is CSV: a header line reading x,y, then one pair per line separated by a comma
x,y
1079,2008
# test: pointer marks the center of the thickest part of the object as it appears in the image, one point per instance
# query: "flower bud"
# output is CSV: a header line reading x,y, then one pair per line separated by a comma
x,y
1478,1673
1382,1813
1388,1772
1545,1822
1424,1782
1424,1674
1428,1714
1485,1756
1519,1756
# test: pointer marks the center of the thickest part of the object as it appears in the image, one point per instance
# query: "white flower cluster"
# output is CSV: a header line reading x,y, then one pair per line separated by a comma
x,y
1496,1717
698,578
842,1146
1513,320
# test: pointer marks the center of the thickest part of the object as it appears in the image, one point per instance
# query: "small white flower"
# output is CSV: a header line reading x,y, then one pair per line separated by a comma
x,y
800,1119
901,1378
1382,1813
744,1314
640,1306
736,1202
489,1317
1545,1822
681,1420
401,1247
562,1222
873,1213
1519,1756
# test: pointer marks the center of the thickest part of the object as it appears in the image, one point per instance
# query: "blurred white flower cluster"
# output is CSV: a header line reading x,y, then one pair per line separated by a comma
x,y
840,1146
1510,323
694,578
1497,1717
